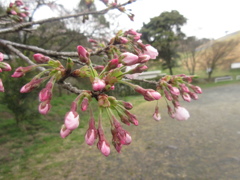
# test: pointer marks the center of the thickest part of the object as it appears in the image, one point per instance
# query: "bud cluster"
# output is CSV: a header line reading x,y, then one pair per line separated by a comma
x,y
17,11
125,56
174,87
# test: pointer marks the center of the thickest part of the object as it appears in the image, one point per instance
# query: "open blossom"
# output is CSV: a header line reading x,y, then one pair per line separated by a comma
x,y
151,51
181,114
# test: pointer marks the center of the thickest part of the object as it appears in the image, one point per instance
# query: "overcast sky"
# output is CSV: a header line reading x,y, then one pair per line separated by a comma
x,y
206,18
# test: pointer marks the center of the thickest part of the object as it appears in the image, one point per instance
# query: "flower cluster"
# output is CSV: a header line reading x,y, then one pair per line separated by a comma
x,y
126,55
3,67
17,11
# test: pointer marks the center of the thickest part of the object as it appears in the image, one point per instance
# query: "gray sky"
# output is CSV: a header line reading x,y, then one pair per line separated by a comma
x,y
206,18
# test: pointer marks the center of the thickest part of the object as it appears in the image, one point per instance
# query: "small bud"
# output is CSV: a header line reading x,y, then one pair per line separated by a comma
x,y
5,66
156,114
40,58
83,54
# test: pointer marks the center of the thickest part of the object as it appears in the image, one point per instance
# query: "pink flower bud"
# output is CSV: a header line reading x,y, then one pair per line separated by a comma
x,y
105,148
71,120
84,104
151,95
184,88
131,32
13,12
128,139
168,95
1,86
151,51
98,84
44,107
193,95
45,94
186,97
5,66
90,137
19,3
143,58
112,64
181,114
174,90
39,58
64,132
1,56
123,40
20,71
196,89
34,83
83,54
156,114
129,59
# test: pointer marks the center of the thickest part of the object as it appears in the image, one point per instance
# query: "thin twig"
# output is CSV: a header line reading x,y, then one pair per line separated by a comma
x,y
27,24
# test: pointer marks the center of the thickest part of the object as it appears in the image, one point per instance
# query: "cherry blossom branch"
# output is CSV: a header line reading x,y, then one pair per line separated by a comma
x,y
27,24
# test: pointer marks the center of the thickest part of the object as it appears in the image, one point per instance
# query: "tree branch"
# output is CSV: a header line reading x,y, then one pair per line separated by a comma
x,y
27,24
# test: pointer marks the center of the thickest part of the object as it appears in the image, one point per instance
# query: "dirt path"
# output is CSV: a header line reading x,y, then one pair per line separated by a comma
x,y
207,146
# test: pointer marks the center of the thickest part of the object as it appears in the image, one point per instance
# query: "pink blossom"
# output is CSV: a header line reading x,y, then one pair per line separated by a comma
x,y
64,132
184,88
1,86
84,104
71,120
44,107
151,51
129,59
40,58
98,84
181,114
1,56
112,64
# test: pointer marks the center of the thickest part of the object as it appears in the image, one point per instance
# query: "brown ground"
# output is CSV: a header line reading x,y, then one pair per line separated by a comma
x,y
207,146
